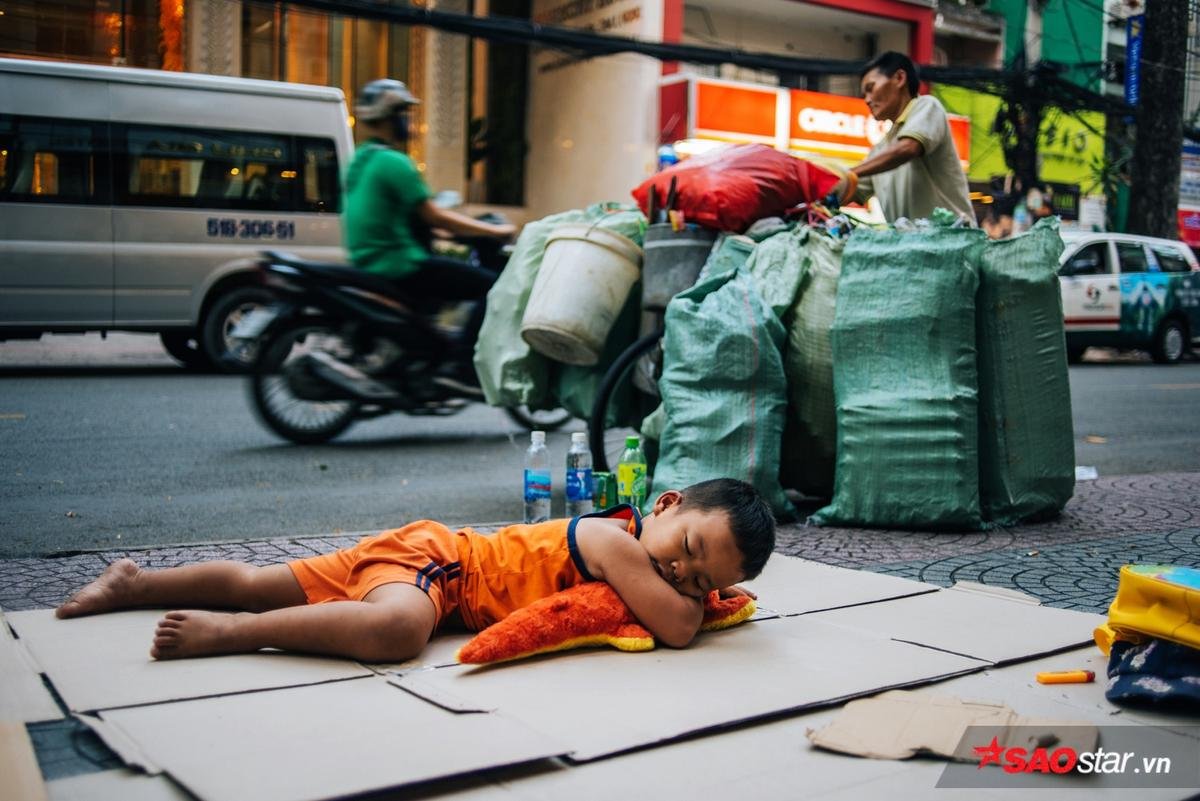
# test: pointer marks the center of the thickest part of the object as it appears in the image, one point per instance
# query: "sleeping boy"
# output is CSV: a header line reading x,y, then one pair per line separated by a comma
x,y
382,599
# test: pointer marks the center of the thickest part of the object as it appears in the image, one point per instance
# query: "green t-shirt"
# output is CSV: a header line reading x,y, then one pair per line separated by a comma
x,y
383,190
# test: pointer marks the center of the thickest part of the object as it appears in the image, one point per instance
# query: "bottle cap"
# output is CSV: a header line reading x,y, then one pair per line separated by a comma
x,y
633,441
537,437
579,438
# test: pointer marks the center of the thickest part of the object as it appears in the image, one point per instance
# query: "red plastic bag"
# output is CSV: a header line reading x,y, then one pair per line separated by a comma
x,y
731,187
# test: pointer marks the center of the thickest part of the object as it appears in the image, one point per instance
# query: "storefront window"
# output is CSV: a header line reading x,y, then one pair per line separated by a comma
x,y
98,31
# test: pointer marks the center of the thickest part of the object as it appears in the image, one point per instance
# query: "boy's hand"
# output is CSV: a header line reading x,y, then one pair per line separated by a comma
x,y
735,591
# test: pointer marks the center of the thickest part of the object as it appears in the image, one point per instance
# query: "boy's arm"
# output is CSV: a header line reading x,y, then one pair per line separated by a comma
x,y
614,556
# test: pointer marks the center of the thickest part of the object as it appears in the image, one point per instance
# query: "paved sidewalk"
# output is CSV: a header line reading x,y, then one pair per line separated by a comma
x,y
1071,562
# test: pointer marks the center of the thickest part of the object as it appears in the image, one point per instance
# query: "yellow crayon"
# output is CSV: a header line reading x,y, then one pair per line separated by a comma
x,y
1066,677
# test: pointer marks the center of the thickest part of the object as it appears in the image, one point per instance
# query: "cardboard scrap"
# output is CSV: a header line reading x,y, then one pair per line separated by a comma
x,y
23,696
103,661
20,777
900,724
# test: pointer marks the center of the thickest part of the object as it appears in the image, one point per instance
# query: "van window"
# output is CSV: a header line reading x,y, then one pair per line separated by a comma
x,y
52,161
1089,260
1170,260
1133,257
203,169
319,179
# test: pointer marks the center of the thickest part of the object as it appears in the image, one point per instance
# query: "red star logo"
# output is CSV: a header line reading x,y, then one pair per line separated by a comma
x,y
989,753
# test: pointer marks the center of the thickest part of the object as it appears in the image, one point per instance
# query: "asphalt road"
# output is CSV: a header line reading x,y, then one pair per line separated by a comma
x,y
109,444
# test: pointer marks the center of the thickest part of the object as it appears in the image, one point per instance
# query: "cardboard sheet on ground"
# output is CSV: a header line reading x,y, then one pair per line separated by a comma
x,y
774,762
440,652
995,626
620,701
103,661
317,742
23,697
792,586
115,785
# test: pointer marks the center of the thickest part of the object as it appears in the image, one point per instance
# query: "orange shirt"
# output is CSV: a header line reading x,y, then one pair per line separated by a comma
x,y
520,564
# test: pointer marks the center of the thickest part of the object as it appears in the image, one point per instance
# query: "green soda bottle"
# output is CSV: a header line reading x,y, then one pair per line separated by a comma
x,y
631,473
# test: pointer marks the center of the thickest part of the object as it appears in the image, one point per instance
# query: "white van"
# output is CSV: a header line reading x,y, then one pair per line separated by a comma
x,y
137,199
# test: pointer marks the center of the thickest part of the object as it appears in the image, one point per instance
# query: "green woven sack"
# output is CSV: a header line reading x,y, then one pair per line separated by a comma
x,y
722,386
778,265
510,372
1026,437
810,441
905,381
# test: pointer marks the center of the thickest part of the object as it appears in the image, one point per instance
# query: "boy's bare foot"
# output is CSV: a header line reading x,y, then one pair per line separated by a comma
x,y
193,633
113,589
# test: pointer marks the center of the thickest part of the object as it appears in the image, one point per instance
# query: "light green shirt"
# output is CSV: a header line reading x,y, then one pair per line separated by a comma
x,y
384,189
931,180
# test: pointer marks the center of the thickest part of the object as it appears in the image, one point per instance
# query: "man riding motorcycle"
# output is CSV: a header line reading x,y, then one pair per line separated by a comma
x,y
388,218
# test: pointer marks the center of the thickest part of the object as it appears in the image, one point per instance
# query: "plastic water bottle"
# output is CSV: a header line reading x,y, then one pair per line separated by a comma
x,y
537,479
579,476
631,473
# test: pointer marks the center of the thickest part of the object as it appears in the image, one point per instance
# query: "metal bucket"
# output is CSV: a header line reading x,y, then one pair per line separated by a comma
x,y
671,261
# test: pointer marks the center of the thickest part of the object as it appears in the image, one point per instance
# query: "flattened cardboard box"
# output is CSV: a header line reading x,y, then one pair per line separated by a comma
x,y
23,697
103,661
994,626
601,702
774,762
320,741
792,586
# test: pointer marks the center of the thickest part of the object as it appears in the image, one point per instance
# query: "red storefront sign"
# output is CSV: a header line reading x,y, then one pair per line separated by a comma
x,y
1189,226
803,123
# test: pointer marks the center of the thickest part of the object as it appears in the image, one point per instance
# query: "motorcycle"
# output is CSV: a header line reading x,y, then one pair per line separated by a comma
x,y
339,345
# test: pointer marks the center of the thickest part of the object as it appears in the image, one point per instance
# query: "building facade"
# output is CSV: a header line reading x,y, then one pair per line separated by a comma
x,y
529,128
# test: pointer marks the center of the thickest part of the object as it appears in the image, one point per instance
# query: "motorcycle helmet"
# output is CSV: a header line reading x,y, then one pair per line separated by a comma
x,y
386,99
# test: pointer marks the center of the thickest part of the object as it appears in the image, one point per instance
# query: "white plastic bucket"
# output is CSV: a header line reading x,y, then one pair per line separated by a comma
x,y
583,283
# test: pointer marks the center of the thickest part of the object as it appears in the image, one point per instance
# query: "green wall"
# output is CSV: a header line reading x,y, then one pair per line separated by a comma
x,y
1072,33
1069,147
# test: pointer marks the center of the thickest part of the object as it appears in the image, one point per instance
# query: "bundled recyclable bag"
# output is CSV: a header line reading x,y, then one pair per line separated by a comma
x,y
778,265
723,390
729,188
904,378
810,444
1026,437
510,372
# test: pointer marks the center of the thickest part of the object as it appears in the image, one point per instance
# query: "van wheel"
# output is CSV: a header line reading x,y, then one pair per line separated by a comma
x,y
1075,355
231,355
185,348
1169,343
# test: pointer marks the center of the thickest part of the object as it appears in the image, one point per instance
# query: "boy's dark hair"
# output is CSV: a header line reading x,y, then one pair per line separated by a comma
x,y
888,63
750,517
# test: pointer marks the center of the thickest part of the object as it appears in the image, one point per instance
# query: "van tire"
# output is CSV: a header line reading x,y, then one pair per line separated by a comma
x,y
184,347
1170,342
222,316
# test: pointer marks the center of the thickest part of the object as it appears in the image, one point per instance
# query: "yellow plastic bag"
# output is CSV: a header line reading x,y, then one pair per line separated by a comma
x,y
1160,601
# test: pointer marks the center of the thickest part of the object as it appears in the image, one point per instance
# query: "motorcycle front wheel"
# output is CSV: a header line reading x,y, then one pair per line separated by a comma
x,y
542,420
287,397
